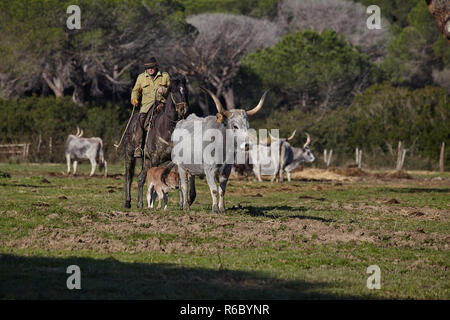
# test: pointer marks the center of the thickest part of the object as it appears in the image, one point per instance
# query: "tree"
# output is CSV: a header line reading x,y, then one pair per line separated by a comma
x,y
252,8
376,119
93,60
396,11
213,53
418,51
344,17
310,69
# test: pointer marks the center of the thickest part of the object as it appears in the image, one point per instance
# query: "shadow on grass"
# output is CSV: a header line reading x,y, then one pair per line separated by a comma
x,y
265,212
24,185
45,278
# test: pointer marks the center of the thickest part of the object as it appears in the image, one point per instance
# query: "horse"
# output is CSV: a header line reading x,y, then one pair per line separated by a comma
x,y
156,152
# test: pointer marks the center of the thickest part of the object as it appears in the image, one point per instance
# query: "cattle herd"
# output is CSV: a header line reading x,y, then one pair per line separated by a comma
x,y
228,141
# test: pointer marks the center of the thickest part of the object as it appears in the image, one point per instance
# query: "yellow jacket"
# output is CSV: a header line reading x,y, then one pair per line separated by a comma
x,y
146,87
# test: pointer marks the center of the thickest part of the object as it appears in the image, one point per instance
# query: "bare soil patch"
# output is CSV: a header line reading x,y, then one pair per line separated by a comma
x,y
199,232
85,175
350,172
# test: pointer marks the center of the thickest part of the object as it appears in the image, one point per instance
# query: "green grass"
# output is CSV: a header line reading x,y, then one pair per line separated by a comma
x,y
310,240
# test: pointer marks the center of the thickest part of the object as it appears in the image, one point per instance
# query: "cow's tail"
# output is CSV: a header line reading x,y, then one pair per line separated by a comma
x,y
101,159
166,171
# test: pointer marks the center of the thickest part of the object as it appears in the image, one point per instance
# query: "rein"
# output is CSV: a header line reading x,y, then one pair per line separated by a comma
x,y
179,105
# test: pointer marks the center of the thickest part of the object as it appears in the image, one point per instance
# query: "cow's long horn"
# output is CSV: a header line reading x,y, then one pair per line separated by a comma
x,y
266,141
81,133
273,138
219,106
291,136
165,142
78,131
259,106
308,141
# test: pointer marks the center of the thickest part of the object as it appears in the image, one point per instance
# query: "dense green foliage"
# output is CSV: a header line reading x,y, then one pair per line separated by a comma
x,y
375,121
307,69
417,50
395,10
319,81
35,119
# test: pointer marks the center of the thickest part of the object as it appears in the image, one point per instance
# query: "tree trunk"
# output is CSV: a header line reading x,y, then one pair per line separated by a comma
x,y
78,81
228,95
203,103
55,84
399,156
78,95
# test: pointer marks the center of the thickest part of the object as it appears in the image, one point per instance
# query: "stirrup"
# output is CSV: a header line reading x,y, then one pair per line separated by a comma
x,y
138,152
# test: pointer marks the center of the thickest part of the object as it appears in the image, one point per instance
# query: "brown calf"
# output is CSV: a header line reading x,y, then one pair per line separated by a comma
x,y
157,187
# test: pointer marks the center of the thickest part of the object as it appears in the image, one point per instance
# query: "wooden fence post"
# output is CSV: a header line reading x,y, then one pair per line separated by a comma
x,y
441,158
327,157
50,148
358,157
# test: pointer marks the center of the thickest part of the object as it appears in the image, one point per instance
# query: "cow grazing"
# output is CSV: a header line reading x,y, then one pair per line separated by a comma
x,y
78,148
269,165
156,186
291,157
216,172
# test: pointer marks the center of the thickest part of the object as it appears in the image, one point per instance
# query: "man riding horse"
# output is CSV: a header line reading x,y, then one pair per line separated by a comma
x,y
152,86
164,102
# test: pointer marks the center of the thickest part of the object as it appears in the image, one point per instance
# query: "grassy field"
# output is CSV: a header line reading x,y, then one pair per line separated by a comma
x,y
309,238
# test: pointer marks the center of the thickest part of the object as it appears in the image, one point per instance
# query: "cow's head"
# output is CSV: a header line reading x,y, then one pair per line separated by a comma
x,y
307,154
236,119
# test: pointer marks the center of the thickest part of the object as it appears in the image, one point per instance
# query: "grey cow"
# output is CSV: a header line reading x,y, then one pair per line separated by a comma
x,y
78,148
291,157
266,158
216,172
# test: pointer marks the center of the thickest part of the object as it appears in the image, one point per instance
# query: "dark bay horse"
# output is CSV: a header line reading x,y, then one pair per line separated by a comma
x,y
155,151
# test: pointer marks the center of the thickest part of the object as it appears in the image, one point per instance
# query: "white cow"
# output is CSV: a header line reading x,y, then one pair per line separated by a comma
x,y
78,148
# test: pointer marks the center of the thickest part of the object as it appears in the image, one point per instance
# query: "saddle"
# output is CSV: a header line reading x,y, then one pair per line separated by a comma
x,y
151,115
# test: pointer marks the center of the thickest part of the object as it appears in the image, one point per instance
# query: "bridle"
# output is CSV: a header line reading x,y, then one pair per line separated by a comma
x,y
179,105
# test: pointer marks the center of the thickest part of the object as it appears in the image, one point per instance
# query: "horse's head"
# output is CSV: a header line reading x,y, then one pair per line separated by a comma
x,y
179,95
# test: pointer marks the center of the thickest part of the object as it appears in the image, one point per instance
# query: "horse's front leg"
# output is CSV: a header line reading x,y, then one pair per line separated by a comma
x,y
141,180
130,163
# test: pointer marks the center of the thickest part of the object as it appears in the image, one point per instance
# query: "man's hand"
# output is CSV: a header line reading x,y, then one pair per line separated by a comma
x,y
134,102
160,90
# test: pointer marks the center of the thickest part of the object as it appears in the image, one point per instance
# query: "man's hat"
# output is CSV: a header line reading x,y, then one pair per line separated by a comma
x,y
151,63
